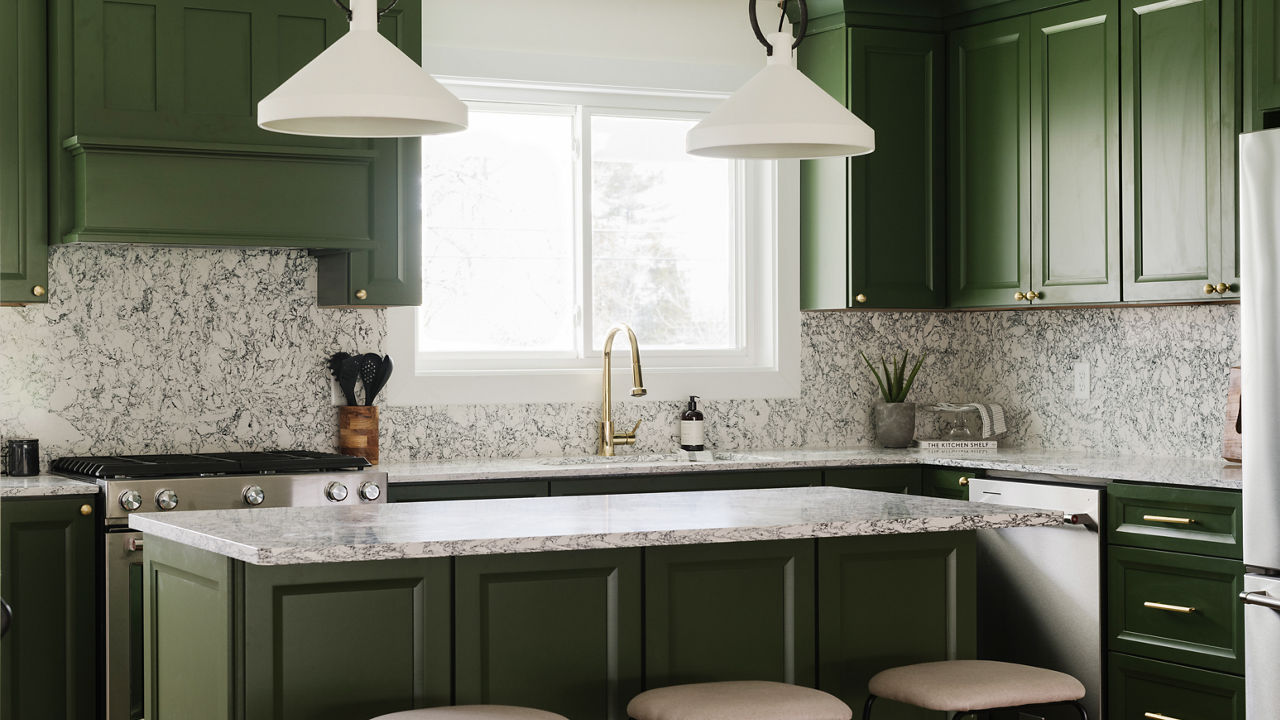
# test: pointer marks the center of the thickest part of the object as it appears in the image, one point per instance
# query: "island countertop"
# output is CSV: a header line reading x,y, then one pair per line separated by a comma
x,y
295,536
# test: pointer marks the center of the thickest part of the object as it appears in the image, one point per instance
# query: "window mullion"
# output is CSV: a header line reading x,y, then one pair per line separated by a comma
x,y
584,225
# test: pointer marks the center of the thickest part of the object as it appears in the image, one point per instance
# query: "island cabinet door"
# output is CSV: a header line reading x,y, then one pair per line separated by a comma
x,y
892,600
345,641
734,611
559,631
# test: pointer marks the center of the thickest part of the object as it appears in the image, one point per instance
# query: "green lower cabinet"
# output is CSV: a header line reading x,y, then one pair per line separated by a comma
x,y
48,574
686,482
905,479
558,631
1177,607
947,483
1140,689
24,192
734,611
872,228
889,601
418,492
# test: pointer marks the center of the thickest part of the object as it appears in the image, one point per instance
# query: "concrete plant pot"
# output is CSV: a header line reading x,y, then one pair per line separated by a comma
x,y
895,424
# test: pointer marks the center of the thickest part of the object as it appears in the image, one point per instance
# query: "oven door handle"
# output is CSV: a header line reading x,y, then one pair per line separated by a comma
x,y
1254,597
135,544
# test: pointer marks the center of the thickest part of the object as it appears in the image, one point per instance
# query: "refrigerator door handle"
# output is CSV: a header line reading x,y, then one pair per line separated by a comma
x,y
1260,598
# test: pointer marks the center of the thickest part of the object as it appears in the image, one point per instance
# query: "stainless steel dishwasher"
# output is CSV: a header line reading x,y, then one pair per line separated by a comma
x,y
1040,589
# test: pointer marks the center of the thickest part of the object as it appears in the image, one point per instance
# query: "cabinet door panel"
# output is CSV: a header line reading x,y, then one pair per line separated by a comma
x,y
734,611
1171,128
48,667
1261,64
989,146
825,263
558,631
24,195
1075,165
1140,688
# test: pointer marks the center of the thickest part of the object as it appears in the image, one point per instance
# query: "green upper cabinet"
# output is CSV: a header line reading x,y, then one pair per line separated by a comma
x,y
1261,64
155,140
1178,235
1075,156
990,198
24,230
872,227
1035,151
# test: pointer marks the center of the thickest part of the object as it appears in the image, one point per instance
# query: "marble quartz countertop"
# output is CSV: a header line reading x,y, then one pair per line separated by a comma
x,y
1070,464
43,486
295,536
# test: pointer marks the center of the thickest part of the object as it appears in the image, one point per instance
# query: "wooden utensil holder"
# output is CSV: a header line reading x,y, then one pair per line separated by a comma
x,y
358,431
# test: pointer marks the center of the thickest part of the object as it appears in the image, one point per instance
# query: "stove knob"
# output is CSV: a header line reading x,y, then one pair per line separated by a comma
x,y
370,491
130,500
254,495
167,499
336,491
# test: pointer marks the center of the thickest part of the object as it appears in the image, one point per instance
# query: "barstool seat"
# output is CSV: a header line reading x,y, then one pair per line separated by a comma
x,y
473,712
970,685
737,700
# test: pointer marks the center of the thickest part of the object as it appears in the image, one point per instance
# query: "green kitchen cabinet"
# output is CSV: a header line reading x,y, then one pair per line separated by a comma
x,y
1179,236
1035,151
1261,64
889,601
872,227
559,631
946,482
48,574
24,235
1139,688
904,479
155,140
418,492
686,482
733,611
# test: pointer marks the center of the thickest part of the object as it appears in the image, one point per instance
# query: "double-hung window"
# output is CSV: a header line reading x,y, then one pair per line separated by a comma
x,y
557,214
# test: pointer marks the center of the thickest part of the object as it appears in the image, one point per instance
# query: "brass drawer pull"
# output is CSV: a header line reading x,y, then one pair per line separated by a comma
x,y
1170,608
1158,716
1170,520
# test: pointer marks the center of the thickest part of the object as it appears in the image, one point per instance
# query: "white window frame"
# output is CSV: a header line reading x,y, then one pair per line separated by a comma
x,y
767,367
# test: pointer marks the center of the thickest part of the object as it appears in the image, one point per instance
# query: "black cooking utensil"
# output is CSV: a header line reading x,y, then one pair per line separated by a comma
x,y
348,374
369,364
335,363
379,381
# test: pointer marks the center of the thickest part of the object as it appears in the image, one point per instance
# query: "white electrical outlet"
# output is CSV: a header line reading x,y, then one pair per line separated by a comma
x,y
1080,375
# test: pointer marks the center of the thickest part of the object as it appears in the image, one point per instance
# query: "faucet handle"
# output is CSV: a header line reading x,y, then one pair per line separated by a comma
x,y
627,437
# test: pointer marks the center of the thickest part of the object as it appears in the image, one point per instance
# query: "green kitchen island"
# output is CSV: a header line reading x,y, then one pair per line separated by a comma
x,y
570,604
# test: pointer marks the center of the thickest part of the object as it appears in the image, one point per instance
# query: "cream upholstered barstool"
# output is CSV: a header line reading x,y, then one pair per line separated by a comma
x,y
737,700
473,712
967,686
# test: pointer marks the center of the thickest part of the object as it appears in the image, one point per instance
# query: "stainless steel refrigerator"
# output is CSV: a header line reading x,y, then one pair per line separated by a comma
x,y
1260,416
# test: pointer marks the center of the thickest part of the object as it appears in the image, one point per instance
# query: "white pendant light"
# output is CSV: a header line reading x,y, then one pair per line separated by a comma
x,y
362,86
780,113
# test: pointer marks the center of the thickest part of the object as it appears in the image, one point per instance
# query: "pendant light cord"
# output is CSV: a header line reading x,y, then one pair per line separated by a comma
x,y
755,23
347,9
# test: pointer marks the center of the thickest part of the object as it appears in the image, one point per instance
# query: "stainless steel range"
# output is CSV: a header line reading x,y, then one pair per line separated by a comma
x,y
176,483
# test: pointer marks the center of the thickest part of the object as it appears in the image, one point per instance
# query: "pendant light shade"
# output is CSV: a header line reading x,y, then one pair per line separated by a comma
x,y
780,114
362,86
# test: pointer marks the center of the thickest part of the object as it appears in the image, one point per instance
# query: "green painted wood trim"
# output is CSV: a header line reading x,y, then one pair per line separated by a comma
x,y
734,611
188,603
558,631
1211,637
893,600
346,640
685,482
1233,123
1217,528
416,492
48,574
1139,685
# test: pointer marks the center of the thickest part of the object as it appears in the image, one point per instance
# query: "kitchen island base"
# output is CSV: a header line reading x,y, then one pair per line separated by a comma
x,y
577,632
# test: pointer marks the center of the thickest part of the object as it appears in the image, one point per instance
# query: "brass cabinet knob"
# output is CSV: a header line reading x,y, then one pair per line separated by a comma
x,y
86,509
964,481
1019,296
1223,288
362,294
38,291
1209,289
860,298
1033,295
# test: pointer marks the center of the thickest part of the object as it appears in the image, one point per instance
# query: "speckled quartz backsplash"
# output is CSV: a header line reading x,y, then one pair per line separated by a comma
x,y
169,350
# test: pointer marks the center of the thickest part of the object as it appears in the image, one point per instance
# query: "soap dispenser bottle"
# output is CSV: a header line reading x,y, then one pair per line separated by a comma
x,y
691,430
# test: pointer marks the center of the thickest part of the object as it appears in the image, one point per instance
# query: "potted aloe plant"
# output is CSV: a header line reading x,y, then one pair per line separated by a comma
x,y
895,418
